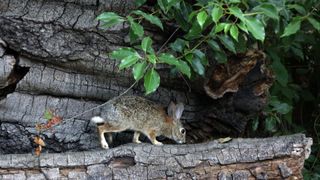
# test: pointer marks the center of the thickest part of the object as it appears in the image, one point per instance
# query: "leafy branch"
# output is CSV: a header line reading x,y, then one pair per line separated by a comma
x,y
224,28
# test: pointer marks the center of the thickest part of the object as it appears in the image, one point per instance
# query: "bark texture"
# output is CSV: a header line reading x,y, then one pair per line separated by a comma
x,y
54,56
269,158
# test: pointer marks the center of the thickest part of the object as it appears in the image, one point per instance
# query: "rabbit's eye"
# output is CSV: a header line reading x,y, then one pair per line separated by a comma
x,y
183,131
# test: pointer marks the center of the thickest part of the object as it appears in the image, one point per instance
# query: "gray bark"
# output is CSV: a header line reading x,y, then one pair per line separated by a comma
x,y
61,63
269,158
54,56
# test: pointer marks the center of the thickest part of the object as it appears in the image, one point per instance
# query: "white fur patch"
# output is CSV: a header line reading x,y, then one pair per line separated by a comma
x,y
97,119
104,144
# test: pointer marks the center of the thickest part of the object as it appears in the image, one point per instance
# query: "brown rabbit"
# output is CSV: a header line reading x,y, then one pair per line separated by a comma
x,y
141,116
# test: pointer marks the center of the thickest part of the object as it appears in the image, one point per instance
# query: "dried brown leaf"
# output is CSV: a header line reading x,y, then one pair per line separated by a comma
x,y
38,150
39,141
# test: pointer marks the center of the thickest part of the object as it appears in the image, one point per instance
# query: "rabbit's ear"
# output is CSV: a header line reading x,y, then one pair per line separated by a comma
x,y
171,109
178,111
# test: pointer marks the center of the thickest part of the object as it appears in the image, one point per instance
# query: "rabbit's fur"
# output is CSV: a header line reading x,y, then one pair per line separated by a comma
x,y
141,116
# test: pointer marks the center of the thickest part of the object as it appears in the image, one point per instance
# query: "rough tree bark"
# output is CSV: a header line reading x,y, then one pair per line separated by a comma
x,y
270,158
53,56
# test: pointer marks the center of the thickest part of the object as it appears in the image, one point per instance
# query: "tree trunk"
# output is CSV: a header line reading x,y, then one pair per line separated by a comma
x,y
269,158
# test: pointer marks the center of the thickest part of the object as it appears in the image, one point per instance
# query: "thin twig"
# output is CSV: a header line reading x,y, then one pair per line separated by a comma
x,y
165,43
91,109
189,87
123,93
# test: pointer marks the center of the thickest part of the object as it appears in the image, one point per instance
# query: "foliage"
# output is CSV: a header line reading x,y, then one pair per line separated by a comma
x,y
287,31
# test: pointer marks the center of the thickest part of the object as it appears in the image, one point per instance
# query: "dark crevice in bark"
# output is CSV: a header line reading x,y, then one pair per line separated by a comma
x,y
17,73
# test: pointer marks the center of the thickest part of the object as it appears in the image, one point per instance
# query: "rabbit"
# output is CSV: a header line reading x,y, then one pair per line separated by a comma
x,y
142,116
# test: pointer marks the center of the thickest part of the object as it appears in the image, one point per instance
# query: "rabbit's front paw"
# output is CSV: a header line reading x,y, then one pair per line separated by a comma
x,y
157,143
137,141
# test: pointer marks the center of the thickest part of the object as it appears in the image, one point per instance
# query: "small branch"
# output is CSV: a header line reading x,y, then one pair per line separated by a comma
x,y
165,43
96,107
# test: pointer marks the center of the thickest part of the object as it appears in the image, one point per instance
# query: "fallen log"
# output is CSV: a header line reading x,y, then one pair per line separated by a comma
x,y
268,158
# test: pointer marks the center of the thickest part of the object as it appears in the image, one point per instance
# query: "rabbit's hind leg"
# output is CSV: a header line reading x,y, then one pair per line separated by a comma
x,y
152,136
103,141
108,128
136,136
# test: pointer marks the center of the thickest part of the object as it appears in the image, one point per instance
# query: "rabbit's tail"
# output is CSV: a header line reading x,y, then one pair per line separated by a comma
x,y
97,119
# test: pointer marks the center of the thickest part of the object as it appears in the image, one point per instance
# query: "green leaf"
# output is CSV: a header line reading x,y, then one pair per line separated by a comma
x,y
255,124
255,27
181,18
162,4
172,3
234,32
270,124
194,32
241,44
121,53
202,17
216,14
178,45
314,23
279,69
269,10
48,115
128,61
136,28
214,45
106,16
292,27
191,15
168,58
234,1
151,81
243,26
152,58
220,56
140,2
138,70
110,23
133,36
151,18
197,66
146,44
226,28
228,43
237,12
219,27
282,108
109,19
184,68
199,54
300,9
165,5
189,57
298,52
